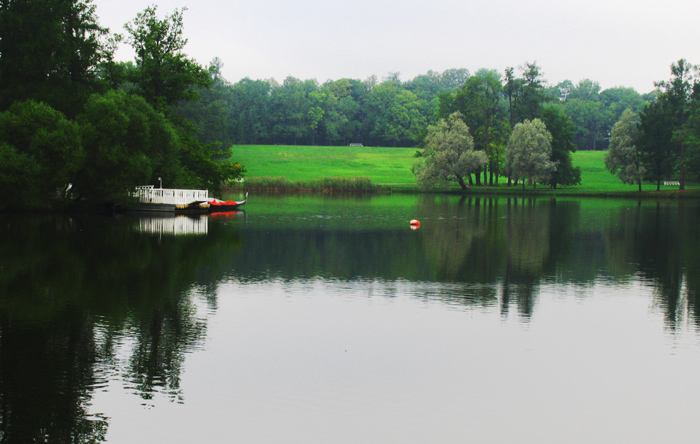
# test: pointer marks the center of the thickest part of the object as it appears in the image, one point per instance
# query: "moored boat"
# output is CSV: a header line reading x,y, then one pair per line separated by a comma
x,y
171,200
218,205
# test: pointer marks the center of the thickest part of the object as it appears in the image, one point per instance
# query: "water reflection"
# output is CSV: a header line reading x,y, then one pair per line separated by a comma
x,y
510,246
89,300
71,289
172,225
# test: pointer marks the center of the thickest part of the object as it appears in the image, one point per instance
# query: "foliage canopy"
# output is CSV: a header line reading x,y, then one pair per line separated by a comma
x,y
529,152
449,153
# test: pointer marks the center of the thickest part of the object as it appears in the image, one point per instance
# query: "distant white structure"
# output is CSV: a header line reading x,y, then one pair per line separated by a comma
x,y
356,144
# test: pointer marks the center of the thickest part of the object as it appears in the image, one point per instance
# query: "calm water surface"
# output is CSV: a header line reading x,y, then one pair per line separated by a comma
x,y
328,320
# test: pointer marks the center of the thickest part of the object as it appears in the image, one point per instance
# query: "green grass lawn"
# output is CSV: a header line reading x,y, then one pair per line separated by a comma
x,y
381,165
393,166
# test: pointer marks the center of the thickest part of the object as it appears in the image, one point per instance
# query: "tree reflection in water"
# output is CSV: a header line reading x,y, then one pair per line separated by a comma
x,y
67,277
86,300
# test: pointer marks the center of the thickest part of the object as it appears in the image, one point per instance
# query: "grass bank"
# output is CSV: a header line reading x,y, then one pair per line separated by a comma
x,y
365,169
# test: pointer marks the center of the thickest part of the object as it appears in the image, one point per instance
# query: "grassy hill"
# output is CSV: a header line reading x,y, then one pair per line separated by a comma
x,y
393,166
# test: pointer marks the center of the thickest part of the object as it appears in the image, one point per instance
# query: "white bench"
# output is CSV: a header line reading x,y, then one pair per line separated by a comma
x,y
673,183
356,144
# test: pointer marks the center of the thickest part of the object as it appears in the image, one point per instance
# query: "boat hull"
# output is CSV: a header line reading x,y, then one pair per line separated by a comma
x,y
216,205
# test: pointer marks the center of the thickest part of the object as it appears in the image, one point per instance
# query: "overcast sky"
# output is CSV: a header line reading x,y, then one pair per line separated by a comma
x,y
614,42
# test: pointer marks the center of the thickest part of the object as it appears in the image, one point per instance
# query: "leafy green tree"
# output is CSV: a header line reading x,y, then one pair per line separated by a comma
x,y
513,90
127,144
395,114
350,118
678,93
165,75
49,51
480,102
292,112
40,154
212,113
586,90
449,154
250,110
17,169
589,119
562,130
562,90
529,152
663,139
616,100
454,78
658,153
623,157
528,93
689,135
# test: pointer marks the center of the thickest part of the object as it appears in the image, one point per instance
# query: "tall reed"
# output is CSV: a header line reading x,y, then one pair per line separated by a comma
x,y
324,185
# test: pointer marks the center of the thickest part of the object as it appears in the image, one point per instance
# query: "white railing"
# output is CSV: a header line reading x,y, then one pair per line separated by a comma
x,y
149,194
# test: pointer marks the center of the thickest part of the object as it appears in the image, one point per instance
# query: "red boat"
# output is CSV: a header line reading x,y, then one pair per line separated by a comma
x,y
217,205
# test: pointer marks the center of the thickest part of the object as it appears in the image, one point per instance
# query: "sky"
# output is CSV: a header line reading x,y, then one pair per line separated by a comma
x,y
613,42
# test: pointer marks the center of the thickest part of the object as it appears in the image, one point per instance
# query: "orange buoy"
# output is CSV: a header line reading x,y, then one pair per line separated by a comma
x,y
415,224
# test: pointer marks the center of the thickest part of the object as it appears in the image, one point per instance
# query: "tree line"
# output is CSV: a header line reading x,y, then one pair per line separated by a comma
x,y
663,140
77,126
392,112
397,113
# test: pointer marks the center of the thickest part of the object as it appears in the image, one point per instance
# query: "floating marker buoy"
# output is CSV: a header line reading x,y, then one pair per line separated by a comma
x,y
415,224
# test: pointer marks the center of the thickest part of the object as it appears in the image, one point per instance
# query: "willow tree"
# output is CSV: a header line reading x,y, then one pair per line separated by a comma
x,y
529,152
449,154
624,158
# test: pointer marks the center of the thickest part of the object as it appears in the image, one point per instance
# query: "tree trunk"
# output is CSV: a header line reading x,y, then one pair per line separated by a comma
x,y
682,178
460,181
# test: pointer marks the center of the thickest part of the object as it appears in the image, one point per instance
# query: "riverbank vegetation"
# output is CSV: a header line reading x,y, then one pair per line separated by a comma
x,y
76,126
323,185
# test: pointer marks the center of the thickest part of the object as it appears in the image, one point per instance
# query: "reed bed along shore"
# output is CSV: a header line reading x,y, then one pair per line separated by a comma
x,y
323,185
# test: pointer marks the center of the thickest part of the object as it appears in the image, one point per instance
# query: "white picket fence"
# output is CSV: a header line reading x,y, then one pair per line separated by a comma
x,y
150,194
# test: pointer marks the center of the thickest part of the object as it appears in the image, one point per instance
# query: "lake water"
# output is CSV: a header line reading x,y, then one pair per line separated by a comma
x,y
329,320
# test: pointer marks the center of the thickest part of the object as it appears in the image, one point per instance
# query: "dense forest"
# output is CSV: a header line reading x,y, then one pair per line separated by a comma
x,y
76,126
390,112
